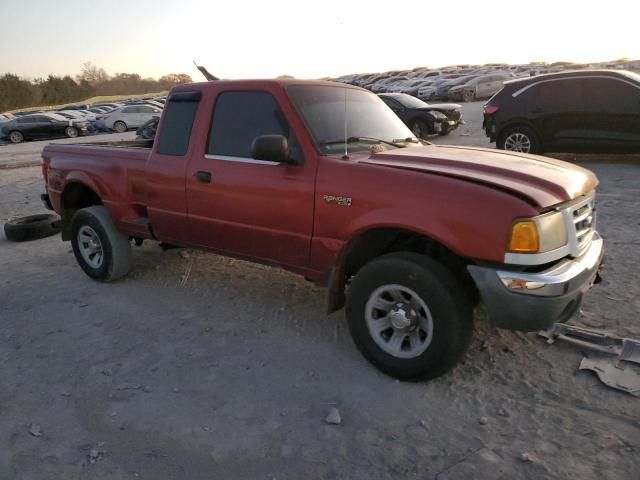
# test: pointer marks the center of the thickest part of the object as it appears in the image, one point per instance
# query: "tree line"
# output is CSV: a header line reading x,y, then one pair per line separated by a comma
x,y
17,92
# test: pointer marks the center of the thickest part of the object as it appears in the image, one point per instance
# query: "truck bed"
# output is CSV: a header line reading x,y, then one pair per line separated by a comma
x,y
115,169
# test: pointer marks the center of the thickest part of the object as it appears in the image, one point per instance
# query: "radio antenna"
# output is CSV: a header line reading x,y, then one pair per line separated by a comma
x,y
346,151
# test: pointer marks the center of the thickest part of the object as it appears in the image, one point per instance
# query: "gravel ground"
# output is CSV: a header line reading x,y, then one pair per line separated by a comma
x,y
229,371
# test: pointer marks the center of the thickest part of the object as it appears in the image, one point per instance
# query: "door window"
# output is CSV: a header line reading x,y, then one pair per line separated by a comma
x,y
239,118
612,96
556,96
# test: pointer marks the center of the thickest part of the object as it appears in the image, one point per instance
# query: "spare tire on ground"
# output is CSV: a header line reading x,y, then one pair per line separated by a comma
x,y
32,227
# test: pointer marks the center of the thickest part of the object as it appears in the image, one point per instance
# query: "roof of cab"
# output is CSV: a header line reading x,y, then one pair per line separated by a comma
x,y
253,83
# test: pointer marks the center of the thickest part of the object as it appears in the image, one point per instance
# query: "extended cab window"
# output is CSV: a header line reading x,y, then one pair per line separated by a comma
x,y
177,123
240,117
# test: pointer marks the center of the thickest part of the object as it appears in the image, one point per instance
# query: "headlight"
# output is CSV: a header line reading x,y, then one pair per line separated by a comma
x,y
540,234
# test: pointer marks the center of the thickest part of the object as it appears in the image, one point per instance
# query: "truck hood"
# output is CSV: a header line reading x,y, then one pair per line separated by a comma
x,y
542,181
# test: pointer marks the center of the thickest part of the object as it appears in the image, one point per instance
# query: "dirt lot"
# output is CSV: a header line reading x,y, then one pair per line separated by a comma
x,y
229,371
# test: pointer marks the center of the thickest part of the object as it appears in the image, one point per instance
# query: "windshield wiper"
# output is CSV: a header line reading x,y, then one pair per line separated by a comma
x,y
393,143
406,140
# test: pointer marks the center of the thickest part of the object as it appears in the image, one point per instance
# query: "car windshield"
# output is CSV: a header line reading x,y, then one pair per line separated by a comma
x,y
323,110
410,101
56,116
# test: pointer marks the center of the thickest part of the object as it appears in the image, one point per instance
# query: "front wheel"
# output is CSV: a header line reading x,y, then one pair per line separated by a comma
x,y
16,137
409,316
420,129
100,249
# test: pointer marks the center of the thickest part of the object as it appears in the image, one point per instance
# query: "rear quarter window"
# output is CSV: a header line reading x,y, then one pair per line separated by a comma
x,y
177,123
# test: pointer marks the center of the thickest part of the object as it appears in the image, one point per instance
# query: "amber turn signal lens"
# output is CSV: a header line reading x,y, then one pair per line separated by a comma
x,y
524,237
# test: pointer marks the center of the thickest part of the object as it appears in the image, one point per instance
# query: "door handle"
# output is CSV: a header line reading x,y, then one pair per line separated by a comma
x,y
202,176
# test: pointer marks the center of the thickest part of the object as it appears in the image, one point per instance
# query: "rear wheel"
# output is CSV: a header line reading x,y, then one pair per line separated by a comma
x,y
101,250
16,137
519,139
120,126
71,132
409,316
468,95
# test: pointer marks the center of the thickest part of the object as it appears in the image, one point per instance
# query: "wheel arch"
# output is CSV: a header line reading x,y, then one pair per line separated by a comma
x,y
520,122
77,194
374,242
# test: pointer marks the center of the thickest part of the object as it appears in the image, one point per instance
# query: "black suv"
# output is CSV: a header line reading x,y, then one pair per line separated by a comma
x,y
581,111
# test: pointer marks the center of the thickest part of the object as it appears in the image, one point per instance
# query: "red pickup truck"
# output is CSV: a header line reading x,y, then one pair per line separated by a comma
x,y
324,180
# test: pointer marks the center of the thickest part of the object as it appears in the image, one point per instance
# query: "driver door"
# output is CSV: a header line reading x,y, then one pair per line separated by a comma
x,y
245,207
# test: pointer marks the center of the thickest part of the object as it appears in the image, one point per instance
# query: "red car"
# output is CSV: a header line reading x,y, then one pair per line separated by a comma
x,y
324,180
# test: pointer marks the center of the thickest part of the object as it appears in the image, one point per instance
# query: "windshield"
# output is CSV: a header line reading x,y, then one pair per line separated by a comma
x,y
323,111
410,101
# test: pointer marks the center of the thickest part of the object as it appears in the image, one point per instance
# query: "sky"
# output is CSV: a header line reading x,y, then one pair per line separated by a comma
x,y
306,39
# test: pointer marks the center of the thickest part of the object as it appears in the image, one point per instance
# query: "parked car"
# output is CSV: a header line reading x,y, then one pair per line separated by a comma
x,y
484,86
71,114
581,111
43,125
421,117
26,112
153,103
441,86
79,106
409,235
127,117
110,106
99,110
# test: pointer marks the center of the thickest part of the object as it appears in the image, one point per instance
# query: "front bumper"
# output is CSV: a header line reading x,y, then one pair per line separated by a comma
x,y
534,301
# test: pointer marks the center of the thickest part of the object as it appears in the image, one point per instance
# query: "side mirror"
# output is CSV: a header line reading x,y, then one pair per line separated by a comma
x,y
272,148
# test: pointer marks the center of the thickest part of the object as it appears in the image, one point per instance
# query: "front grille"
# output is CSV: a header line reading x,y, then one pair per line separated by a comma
x,y
582,219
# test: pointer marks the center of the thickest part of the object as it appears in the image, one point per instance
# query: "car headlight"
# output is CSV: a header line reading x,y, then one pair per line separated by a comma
x,y
540,234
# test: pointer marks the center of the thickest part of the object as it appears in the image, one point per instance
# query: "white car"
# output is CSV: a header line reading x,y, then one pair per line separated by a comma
x,y
127,117
484,86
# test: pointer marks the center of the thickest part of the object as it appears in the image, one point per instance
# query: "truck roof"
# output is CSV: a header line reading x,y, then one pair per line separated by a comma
x,y
253,83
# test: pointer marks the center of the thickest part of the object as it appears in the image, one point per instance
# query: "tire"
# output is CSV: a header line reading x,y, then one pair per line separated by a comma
x,y
32,227
519,139
120,126
102,252
420,128
71,132
445,310
16,137
468,95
